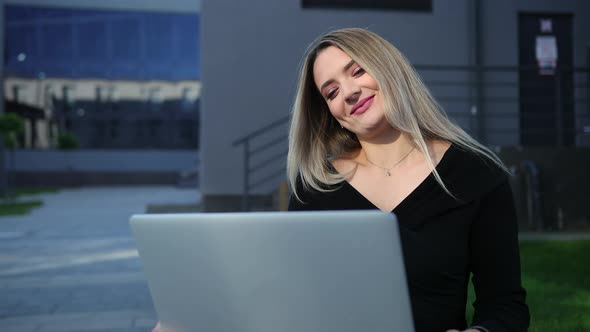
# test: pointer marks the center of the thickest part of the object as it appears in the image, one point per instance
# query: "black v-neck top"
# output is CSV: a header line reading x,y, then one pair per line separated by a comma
x,y
444,239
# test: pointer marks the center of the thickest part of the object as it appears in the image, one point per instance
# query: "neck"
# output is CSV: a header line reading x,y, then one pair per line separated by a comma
x,y
386,150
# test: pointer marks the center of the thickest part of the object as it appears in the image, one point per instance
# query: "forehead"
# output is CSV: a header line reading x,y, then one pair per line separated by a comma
x,y
329,63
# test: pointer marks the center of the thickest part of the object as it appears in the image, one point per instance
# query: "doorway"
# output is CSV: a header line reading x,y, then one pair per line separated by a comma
x,y
546,79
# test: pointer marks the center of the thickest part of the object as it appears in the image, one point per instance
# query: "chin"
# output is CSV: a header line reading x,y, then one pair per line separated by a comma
x,y
381,128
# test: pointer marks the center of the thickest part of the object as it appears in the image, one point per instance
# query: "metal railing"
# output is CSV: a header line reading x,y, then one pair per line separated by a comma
x,y
258,143
490,109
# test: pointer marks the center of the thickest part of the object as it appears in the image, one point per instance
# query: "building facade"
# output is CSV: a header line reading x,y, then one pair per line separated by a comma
x,y
250,69
121,76
93,109
93,68
470,53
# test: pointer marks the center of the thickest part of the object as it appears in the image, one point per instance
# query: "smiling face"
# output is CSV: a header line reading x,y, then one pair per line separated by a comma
x,y
351,94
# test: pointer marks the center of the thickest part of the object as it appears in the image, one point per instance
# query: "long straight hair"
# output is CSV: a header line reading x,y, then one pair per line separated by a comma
x,y
315,137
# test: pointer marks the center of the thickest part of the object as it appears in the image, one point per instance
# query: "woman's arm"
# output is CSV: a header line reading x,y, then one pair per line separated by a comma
x,y
495,263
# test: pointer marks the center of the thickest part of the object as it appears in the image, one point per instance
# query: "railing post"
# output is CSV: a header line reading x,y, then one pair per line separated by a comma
x,y
558,108
3,171
479,73
245,198
480,107
248,154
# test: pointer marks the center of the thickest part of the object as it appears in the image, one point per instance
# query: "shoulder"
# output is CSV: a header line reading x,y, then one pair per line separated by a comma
x,y
299,199
438,148
304,197
336,197
470,174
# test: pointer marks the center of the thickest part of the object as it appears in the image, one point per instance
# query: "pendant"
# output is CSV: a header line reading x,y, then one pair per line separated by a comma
x,y
388,173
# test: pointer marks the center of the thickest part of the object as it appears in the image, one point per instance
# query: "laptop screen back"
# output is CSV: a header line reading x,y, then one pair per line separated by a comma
x,y
275,271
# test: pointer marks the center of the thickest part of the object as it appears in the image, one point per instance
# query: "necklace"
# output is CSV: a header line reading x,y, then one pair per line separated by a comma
x,y
388,170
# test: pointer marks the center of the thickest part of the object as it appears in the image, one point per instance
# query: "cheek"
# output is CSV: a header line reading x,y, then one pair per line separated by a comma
x,y
336,110
380,104
373,84
370,82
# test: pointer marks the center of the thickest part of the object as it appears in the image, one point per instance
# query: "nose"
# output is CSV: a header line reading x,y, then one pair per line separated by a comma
x,y
352,92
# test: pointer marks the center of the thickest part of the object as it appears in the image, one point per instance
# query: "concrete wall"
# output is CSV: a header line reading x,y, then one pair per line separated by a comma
x,y
100,167
104,160
500,27
500,48
250,65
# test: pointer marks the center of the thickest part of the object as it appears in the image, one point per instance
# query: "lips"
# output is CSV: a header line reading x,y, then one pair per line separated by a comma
x,y
362,106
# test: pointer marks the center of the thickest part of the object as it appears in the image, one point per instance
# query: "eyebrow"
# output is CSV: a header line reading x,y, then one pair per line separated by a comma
x,y
345,69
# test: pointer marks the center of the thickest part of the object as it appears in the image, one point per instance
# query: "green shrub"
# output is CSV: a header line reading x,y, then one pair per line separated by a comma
x,y
18,208
11,125
67,141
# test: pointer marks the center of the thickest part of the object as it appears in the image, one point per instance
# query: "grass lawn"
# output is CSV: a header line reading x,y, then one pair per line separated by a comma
x,y
556,275
19,192
18,206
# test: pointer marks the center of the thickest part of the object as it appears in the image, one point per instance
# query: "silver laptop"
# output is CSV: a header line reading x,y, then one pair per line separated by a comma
x,y
275,271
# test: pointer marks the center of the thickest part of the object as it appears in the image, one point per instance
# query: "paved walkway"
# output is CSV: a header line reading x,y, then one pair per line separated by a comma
x,y
71,265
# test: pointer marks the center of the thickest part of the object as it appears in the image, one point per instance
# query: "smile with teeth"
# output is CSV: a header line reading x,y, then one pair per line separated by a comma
x,y
362,106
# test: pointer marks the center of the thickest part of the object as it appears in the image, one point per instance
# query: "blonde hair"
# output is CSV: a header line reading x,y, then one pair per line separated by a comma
x,y
315,137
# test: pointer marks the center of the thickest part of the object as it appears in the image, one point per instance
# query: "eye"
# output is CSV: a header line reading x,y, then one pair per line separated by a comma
x,y
331,93
358,72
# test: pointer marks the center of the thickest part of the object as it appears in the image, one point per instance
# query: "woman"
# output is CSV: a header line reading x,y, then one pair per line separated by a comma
x,y
367,134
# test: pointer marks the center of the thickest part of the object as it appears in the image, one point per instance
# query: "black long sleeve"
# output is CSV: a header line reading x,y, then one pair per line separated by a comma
x,y
495,263
445,238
